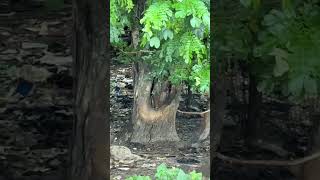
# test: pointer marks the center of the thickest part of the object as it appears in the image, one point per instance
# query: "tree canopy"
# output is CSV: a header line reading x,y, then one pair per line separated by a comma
x,y
175,33
279,39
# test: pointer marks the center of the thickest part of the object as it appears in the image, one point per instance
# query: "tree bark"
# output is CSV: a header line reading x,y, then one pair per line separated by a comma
x,y
218,90
155,103
311,169
253,122
154,109
205,124
218,108
90,140
218,105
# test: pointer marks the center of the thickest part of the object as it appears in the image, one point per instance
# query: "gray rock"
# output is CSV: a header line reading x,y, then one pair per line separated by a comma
x,y
56,60
10,51
28,45
128,81
33,74
5,33
44,29
121,153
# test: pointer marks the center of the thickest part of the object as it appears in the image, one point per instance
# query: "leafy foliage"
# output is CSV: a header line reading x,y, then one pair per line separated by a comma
x,y
293,40
280,45
165,173
178,33
119,8
180,29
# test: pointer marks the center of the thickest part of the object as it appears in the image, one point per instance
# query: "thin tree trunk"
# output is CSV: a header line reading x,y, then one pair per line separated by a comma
x,y
253,123
189,97
90,140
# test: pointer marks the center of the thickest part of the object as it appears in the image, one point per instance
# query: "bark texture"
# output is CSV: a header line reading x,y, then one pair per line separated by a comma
x,y
154,109
311,170
218,91
155,102
253,123
218,105
90,140
205,125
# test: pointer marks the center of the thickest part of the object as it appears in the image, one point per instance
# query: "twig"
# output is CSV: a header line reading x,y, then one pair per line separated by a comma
x,y
136,52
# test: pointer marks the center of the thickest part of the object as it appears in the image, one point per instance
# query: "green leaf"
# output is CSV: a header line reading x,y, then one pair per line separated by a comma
x,y
295,85
246,3
180,14
310,86
206,19
281,67
155,42
195,175
195,22
162,167
279,53
269,19
167,34
182,175
198,81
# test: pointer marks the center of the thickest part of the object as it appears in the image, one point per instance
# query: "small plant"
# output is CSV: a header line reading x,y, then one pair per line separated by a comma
x,y
139,178
165,173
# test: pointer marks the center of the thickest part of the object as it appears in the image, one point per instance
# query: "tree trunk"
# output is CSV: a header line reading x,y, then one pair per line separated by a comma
x,y
90,140
189,97
219,92
252,125
154,109
218,108
205,124
311,169
155,103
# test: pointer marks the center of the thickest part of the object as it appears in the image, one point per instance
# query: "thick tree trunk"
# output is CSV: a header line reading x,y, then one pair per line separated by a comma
x,y
218,105
218,109
154,109
219,92
90,140
155,103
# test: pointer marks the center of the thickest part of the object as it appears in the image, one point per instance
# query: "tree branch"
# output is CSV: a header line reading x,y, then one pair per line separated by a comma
x,y
195,113
269,162
136,52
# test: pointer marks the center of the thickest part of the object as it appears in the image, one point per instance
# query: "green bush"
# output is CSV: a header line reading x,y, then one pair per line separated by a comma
x,y
165,173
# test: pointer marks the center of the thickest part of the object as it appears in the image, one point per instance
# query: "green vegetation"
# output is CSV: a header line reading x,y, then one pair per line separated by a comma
x,y
165,173
176,33
278,40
